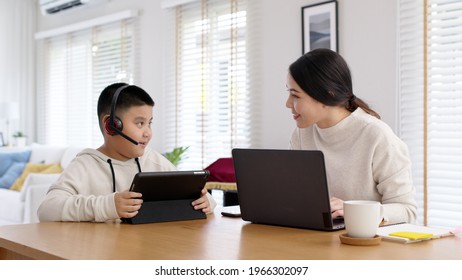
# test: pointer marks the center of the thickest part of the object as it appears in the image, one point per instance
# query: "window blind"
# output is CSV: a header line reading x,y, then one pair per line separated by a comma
x,y
434,129
76,67
207,87
444,43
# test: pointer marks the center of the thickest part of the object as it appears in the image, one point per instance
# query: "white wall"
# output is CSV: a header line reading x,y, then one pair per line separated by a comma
x,y
367,40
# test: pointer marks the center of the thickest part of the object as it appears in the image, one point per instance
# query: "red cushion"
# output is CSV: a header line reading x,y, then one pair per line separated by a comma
x,y
221,170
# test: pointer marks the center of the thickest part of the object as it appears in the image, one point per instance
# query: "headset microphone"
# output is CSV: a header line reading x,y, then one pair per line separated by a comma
x,y
113,124
126,137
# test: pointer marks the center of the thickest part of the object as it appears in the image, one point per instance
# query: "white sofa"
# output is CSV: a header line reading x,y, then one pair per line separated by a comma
x,y
21,207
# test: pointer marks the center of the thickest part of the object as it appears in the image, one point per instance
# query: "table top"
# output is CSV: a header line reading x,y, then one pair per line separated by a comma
x,y
214,238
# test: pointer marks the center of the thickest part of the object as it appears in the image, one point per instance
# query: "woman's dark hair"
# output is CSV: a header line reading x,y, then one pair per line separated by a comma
x,y
128,97
324,75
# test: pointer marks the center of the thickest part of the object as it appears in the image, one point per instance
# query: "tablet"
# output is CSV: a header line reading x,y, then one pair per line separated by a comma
x,y
170,185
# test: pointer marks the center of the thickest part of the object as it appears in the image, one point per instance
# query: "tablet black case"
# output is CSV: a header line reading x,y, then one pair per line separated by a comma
x,y
167,196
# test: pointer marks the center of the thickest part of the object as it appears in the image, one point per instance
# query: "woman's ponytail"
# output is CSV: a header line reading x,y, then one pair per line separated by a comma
x,y
354,102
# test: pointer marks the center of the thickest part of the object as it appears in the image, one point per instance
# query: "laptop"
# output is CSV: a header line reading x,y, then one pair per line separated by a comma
x,y
284,188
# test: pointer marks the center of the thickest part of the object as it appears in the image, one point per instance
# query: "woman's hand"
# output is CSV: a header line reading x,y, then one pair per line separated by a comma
x,y
202,203
127,203
336,206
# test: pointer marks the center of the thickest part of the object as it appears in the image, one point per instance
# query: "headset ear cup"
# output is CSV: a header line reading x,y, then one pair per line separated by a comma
x,y
115,127
107,127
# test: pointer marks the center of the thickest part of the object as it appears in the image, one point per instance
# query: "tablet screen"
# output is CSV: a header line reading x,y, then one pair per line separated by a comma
x,y
171,185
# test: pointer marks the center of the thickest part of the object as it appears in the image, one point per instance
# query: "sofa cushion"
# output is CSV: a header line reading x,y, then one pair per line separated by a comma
x,y
8,158
35,168
221,170
46,154
35,179
11,166
11,208
10,176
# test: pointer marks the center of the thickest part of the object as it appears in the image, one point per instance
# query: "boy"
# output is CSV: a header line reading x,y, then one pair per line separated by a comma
x,y
94,187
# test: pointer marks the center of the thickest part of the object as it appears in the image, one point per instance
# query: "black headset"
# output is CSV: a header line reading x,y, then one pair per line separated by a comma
x,y
113,124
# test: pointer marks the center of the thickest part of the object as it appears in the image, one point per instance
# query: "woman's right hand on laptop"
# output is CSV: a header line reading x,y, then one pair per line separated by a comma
x,y
336,206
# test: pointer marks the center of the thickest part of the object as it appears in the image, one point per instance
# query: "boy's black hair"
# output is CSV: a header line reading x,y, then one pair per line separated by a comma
x,y
128,97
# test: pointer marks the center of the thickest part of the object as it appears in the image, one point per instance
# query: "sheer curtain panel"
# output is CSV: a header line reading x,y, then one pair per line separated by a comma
x,y
431,105
17,63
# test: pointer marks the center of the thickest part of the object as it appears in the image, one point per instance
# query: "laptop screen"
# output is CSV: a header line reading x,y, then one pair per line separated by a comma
x,y
283,187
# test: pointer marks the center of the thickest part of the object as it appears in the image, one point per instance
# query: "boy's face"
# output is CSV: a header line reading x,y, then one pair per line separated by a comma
x,y
136,125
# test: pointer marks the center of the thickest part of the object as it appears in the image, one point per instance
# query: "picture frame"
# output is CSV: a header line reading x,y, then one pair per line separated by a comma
x,y
319,26
2,143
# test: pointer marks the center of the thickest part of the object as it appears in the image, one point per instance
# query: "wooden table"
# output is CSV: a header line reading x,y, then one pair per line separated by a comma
x,y
216,237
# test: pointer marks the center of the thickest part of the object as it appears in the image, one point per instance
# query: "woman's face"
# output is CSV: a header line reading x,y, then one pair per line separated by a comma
x,y
306,111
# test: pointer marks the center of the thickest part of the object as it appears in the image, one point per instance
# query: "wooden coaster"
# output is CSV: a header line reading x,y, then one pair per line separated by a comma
x,y
345,239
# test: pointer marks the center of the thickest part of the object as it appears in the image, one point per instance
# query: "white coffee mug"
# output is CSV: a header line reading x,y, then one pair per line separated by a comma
x,y
362,217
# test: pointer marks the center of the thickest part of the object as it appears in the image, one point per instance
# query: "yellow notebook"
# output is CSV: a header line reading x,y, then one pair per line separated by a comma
x,y
409,233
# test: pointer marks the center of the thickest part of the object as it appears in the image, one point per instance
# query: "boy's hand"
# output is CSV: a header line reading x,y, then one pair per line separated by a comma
x,y
202,203
127,203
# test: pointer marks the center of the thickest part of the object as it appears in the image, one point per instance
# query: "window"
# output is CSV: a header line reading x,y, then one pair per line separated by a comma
x,y
431,105
207,94
76,67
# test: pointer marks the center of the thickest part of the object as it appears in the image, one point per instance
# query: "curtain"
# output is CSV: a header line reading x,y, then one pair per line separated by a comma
x,y
17,63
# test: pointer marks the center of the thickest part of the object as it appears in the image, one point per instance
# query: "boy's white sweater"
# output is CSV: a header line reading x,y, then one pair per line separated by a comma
x,y
365,160
84,191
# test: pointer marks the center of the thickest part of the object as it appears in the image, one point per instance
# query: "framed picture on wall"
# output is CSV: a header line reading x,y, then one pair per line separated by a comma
x,y
319,26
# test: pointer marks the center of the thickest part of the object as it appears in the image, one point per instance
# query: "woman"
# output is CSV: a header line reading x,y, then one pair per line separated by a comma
x,y
365,160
